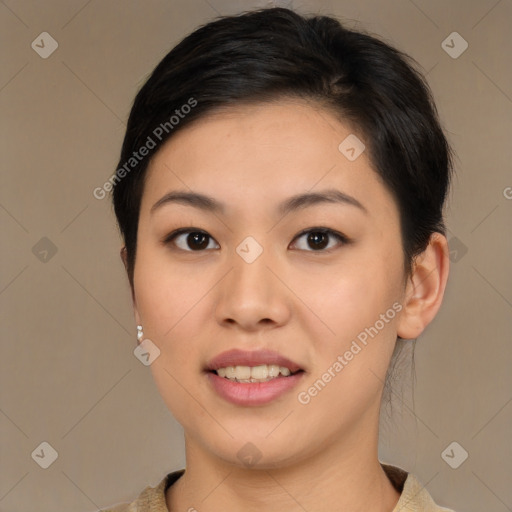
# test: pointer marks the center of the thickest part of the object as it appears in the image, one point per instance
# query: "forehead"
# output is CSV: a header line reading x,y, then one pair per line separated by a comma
x,y
267,151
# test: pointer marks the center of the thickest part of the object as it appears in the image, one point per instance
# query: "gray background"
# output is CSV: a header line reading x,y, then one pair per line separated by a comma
x,y
68,373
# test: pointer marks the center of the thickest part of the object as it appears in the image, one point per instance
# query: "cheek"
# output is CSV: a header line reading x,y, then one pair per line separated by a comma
x,y
350,366
360,302
163,291
173,315
171,310
350,297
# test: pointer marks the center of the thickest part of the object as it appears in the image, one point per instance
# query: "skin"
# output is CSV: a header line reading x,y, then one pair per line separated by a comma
x,y
307,304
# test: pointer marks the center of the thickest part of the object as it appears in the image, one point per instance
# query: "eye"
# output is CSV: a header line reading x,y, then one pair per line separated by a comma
x,y
195,239
319,239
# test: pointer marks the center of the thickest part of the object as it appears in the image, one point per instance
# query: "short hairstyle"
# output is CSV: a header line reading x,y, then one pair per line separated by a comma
x,y
270,54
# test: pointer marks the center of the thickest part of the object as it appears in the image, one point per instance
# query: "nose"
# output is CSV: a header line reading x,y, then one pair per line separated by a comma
x,y
252,297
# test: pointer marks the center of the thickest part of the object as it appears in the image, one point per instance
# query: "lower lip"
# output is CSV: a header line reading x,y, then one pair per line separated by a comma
x,y
253,393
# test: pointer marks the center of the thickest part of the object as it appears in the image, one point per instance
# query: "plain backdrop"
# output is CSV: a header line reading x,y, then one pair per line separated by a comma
x,y
68,374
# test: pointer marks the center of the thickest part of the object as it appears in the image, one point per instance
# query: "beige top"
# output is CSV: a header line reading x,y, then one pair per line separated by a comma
x,y
414,497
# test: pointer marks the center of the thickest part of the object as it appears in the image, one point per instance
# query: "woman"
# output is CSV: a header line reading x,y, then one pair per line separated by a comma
x,y
280,194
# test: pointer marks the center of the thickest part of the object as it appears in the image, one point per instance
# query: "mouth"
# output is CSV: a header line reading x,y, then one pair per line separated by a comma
x,y
252,378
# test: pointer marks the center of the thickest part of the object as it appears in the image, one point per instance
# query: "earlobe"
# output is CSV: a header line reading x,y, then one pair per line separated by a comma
x,y
425,288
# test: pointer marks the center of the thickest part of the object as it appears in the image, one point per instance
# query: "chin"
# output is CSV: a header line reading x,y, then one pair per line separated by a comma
x,y
257,453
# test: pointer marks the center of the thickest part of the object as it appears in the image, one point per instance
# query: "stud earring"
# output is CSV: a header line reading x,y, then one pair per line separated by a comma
x,y
140,334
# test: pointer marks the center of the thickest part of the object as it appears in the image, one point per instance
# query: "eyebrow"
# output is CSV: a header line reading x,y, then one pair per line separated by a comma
x,y
294,203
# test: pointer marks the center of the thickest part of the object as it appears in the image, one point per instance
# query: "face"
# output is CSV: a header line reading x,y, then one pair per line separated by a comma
x,y
316,287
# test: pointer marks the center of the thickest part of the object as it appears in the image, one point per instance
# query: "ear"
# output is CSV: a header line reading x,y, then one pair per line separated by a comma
x,y
425,288
124,257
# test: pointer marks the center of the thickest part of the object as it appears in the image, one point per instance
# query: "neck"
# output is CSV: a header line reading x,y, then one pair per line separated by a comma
x,y
346,476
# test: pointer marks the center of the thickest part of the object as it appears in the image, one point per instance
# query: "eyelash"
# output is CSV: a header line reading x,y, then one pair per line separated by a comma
x,y
344,240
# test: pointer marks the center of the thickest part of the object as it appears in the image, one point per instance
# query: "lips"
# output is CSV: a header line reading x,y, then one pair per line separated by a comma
x,y
238,357
252,393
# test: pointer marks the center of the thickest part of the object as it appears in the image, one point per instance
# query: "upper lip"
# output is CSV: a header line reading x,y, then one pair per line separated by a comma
x,y
238,357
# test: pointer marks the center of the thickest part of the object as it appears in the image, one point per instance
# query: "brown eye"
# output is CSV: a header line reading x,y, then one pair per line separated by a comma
x,y
318,239
197,241
190,240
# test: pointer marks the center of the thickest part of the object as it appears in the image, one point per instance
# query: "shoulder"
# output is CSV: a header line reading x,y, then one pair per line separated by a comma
x,y
414,496
151,499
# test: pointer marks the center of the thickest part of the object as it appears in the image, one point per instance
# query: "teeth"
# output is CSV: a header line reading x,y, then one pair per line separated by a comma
x,y
273,370
261,373
258,372
242,372
284,371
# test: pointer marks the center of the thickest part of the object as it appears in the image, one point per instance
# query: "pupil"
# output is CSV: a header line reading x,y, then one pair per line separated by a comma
x,y
318,239
198,240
